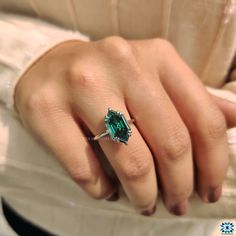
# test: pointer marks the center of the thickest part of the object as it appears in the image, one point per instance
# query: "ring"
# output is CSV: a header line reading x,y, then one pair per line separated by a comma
x,y
117,126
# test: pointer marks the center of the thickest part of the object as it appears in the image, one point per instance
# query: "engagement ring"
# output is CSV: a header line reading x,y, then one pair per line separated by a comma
x,y
117,126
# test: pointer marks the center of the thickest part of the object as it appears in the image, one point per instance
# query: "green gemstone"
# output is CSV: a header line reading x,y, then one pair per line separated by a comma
x,y
117,126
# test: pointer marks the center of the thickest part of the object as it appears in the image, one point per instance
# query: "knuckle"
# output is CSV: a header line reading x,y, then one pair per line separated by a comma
x,y
97,195
137,166
42,101
100,194
166,50
177,145
215,123
117,48
77,77
82,177
163,45
181,194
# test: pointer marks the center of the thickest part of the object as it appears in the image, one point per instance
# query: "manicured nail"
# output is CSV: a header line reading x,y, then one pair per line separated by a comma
x,y
149,212
180,208
113,197
214,194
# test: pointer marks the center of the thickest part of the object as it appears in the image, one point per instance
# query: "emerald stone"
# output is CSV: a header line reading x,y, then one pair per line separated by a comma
x,y
117,126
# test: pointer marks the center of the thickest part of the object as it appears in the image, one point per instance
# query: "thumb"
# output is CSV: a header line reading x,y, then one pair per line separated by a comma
x,y
228,108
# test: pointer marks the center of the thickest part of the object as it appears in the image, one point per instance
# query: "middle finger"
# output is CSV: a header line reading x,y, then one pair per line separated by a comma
x,y
166,134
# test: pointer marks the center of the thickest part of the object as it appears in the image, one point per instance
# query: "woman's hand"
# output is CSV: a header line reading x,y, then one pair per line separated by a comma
x,y
179,132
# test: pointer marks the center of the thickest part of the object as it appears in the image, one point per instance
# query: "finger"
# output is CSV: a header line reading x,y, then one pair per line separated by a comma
x,y
133,163
205,122
62,135
228,108
167,135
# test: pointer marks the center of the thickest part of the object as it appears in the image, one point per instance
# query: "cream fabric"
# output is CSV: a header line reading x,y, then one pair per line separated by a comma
x,y
203,32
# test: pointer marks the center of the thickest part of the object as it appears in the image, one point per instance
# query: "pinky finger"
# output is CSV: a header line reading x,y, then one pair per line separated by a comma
x,y
63,136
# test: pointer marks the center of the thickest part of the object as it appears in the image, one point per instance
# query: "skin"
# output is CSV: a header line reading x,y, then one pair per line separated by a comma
x,y
179,134
233,75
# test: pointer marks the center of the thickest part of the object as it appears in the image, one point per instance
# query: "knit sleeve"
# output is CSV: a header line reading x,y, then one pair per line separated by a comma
x,y
23,40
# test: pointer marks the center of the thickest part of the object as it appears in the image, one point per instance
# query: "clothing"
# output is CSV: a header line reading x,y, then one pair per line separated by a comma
x,y
20,225
32,181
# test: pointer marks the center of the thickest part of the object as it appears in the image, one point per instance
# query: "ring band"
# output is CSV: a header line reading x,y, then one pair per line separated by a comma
x,y
117,126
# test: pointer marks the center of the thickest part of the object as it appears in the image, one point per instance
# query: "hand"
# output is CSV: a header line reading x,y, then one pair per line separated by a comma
x,y
177,124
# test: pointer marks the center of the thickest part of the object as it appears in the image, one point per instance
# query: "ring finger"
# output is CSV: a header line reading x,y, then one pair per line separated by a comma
x,y
168,138
133,163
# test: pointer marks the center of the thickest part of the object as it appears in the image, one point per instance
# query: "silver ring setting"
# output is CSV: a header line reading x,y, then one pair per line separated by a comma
x,y
117,126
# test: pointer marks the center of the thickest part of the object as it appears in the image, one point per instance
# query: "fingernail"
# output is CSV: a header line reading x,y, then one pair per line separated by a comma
x,y
214,194
149,212
113,197
180,208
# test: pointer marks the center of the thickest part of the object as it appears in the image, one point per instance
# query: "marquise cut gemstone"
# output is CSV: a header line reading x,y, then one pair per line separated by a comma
x,y
117,126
